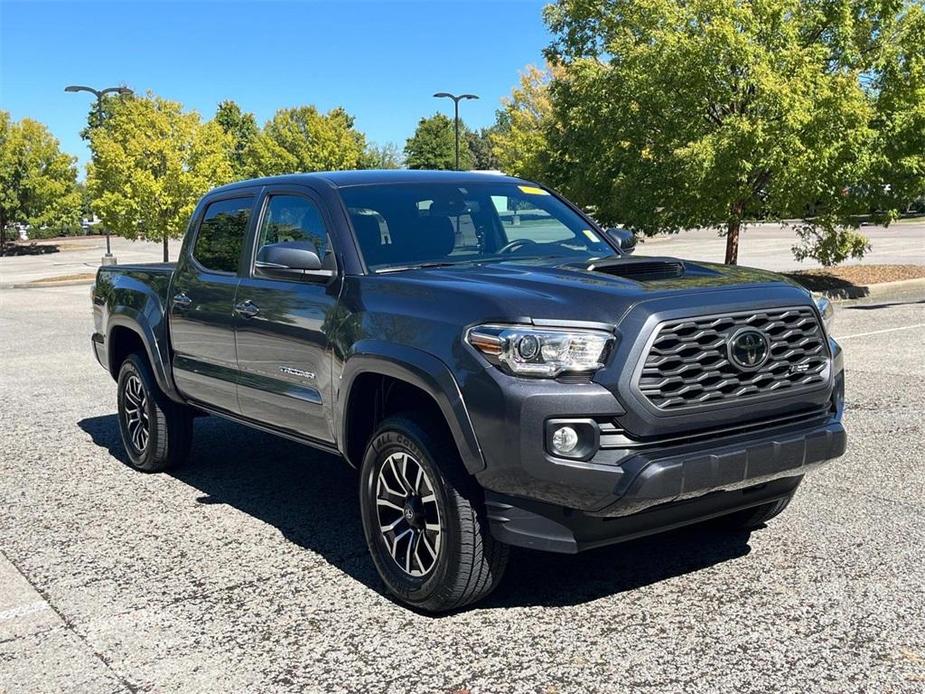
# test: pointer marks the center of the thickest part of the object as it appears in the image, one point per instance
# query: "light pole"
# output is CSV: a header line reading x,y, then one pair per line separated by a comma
x,y
456,99
99,94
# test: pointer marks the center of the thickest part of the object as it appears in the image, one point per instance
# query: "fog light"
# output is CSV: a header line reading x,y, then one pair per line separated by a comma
x,y
564,440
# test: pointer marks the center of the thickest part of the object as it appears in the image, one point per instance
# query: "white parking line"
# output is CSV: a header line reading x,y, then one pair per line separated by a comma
x,y
885,330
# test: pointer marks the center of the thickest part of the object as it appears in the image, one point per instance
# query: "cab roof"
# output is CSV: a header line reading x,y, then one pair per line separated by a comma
x,y
343,179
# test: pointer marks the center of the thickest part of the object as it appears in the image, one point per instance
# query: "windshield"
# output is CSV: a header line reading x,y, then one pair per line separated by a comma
x,y
408,225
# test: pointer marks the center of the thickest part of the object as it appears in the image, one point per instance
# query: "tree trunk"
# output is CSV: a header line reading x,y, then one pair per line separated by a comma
x,y
165,248
2,233
732,241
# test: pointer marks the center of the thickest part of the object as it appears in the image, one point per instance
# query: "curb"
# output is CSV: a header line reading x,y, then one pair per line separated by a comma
x,y
872,291
45,285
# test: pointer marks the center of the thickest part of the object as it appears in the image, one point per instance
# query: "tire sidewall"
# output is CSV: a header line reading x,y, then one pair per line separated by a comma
x,y
389,439
133,366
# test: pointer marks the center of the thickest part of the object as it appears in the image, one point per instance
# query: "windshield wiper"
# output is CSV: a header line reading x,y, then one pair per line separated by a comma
x,y
419,266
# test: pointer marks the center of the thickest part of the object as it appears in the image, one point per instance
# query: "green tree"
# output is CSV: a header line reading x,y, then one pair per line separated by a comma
x,y
151,163
433,145
480,149
386,156
899,89
519,139
707,113
38,182
242,129
303,139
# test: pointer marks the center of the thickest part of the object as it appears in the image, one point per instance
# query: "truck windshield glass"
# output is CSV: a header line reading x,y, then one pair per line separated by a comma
x,y
406,225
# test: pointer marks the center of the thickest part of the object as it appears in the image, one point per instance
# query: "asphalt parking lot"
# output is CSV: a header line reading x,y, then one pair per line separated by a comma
x,y
247,569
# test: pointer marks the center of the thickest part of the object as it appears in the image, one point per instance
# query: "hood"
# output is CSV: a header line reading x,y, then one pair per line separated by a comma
x,y
556,290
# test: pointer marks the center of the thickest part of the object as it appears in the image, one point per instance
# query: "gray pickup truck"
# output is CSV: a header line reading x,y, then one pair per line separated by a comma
x,y
499,369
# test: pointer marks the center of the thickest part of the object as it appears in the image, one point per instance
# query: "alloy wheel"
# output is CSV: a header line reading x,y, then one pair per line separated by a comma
x,y
135,410
409,518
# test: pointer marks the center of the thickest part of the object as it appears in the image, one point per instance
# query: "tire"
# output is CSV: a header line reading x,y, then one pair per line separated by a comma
x,y
156,432
753,518
438,554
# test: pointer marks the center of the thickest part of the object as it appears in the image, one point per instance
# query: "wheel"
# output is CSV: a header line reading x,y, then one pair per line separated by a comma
x,y
424,520
156,432
752,518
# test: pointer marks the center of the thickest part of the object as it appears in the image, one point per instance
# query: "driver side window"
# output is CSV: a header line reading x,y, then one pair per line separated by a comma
x,y
293,221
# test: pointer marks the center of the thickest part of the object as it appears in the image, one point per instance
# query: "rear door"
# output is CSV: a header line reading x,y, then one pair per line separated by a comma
x,y
282,324
202,302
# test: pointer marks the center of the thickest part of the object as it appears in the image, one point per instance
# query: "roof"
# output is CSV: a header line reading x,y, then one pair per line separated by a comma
x,y
342,179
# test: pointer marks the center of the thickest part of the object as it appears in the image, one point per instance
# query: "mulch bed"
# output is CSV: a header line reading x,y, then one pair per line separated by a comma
x,y
835,278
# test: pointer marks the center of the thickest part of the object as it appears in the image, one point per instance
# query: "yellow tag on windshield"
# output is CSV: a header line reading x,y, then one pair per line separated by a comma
x,y
591,235
532,190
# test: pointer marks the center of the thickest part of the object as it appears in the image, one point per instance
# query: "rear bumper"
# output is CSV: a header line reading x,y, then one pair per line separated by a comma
x,y
99,350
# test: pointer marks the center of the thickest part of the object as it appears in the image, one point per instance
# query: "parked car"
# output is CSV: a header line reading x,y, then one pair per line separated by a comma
x,y
495,383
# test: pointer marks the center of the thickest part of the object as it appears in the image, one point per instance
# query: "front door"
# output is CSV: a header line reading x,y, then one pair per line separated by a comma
x,y
201,300
282,324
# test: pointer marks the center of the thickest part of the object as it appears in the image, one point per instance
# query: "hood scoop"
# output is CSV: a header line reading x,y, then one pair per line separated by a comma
x,y
640,269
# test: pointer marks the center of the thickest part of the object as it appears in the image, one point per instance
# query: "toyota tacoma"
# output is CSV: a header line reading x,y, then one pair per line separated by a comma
x,y
501,370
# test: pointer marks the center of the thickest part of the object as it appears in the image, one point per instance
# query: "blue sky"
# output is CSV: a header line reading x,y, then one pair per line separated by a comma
x,y
381,60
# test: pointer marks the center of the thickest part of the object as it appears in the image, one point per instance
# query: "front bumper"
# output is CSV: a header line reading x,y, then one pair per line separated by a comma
x,y
636,488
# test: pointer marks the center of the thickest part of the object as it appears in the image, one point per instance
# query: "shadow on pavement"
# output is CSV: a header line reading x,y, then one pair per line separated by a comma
x,y
11,249
311,497
872,307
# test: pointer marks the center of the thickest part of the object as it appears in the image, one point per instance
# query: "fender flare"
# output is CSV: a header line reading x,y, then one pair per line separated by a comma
x,y
123,316
421,370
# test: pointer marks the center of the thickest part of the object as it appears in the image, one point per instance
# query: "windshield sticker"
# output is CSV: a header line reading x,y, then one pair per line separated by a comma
x,y
532,190
591,235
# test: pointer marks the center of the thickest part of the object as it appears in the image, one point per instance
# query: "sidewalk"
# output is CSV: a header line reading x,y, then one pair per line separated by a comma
x,y
78,256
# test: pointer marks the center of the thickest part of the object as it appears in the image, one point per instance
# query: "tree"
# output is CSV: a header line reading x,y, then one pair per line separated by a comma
x,y
519,138
386,156
480,149
708,113
303,139
899,89
38,182
433,145
151,163
242,129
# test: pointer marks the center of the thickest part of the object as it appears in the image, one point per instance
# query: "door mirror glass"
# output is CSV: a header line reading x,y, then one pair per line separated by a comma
x,y
624,238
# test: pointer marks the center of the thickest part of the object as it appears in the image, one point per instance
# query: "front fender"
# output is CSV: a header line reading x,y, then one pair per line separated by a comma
x,y
419,369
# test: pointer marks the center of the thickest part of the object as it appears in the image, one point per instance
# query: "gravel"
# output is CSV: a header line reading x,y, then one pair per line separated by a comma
x,y
247,570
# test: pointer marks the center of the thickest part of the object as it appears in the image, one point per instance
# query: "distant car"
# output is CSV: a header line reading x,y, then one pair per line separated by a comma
x,y
495,382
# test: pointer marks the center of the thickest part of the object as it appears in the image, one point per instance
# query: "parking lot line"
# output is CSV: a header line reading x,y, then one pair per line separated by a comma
x,y
878,332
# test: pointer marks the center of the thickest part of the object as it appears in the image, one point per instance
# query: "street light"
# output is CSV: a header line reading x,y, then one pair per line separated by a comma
x,y
99,94
456,99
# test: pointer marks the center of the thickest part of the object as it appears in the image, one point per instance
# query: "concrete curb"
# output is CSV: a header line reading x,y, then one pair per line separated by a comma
x,y
873,291
46,285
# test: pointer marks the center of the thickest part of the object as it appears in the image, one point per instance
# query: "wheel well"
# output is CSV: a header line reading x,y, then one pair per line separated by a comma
x,y
122,342
373,397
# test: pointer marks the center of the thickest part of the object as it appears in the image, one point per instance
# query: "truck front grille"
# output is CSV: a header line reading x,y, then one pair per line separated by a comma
x,y
689,362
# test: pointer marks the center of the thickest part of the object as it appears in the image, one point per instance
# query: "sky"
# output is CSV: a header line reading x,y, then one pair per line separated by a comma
x,y
381,60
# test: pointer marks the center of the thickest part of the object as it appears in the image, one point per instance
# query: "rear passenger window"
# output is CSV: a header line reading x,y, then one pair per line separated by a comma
x,y
221,234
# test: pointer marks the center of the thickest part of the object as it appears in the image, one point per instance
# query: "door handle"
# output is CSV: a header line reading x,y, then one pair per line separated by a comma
x,y
181,300
247,309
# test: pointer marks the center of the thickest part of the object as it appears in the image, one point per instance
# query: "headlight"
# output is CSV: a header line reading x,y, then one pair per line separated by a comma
x,y
826,310
543,352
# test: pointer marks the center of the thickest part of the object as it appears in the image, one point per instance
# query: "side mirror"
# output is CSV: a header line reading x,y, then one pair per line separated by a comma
x,y
624,238
289,261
